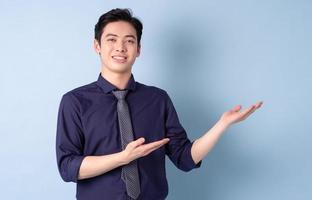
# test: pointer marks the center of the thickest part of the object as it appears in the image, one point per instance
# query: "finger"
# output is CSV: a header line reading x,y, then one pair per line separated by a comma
x,y
151,150
248,114
138,142
159,145
155,144
247,111
259,104
148,151
256,106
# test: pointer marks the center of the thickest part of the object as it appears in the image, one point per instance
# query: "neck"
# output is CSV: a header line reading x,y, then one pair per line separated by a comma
x,y
120,80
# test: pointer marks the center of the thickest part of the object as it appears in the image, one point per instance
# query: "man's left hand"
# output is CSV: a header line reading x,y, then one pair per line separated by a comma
x,y
236,115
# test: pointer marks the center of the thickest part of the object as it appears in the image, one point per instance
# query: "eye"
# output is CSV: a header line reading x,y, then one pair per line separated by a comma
x,y
130,41
111,40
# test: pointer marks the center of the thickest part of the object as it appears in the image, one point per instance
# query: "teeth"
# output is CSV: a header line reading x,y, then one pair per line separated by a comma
x,y
119,57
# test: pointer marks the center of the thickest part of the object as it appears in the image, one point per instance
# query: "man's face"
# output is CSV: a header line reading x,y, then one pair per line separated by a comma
x,y
119,47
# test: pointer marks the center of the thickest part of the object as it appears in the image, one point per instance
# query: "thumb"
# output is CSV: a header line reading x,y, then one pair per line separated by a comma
x,y
236,108
138,142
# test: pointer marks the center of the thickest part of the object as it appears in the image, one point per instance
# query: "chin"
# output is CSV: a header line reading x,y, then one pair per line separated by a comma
x,y
120,70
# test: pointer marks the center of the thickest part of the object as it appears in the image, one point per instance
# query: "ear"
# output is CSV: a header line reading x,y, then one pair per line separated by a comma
x,y
138,51
97,46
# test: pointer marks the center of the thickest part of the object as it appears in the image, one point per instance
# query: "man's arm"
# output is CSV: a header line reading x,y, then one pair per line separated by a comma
x,y
202,146
92,166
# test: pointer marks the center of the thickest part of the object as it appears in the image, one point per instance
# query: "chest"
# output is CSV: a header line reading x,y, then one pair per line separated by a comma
x,y
101,128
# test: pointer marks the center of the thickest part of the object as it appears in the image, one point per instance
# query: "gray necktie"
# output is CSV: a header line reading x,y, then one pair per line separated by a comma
x,y
129,172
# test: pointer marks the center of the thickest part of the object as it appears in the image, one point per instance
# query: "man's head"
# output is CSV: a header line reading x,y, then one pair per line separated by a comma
x,y
115,15
117,40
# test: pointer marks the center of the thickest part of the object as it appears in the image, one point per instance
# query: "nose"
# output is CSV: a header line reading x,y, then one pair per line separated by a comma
x,y
120,47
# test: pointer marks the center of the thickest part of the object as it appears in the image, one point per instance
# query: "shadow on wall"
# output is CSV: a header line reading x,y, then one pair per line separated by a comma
x,y
189,56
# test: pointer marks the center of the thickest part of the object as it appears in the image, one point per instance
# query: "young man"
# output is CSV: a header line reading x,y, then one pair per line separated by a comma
x,y
113,134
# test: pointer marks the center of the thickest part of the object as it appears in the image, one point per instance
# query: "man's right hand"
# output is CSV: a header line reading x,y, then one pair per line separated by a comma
x,y
137,148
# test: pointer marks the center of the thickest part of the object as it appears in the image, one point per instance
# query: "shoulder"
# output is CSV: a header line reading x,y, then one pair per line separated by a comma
x,y
82,92
153,91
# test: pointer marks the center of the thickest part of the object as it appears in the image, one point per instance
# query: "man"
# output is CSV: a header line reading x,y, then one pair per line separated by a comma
x,y
113,134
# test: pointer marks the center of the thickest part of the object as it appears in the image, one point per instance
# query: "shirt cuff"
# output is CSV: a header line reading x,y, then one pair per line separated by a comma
x,y
190,161
74,168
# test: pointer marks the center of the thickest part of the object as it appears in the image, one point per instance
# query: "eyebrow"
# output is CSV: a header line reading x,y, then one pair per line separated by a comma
x,y
111,34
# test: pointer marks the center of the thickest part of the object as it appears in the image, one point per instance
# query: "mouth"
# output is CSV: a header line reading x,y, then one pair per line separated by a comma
x,y
120,59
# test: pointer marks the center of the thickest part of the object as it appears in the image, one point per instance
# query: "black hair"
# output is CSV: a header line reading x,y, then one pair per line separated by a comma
x,y
115,15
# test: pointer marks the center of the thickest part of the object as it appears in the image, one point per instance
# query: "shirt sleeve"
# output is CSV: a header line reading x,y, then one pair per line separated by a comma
x,y
179,147
69,138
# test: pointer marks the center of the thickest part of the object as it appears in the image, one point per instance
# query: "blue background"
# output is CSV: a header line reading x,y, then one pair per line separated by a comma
x,y
208,55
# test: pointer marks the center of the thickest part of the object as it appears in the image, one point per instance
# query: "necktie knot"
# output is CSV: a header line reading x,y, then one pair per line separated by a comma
x,y
120,94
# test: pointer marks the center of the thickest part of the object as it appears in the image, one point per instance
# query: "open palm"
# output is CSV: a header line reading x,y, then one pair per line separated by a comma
x,y
236,115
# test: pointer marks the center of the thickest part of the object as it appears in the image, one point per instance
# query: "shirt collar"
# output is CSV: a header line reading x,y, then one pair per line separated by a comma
x,y
107,86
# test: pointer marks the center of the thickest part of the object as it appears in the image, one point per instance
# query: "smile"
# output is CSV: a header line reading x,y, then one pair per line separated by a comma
x,y
119,59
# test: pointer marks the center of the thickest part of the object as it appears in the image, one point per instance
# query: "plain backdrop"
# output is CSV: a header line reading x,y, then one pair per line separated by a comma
x,y
208,55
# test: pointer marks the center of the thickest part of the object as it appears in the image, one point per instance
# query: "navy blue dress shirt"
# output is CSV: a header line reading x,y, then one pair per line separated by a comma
x,y
88,126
